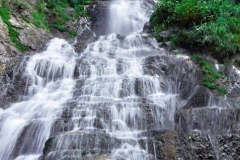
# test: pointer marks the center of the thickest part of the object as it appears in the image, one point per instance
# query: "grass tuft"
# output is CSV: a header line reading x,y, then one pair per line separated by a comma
x,y
20,4
211,75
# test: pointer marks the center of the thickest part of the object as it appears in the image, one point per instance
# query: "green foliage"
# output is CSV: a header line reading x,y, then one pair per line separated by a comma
x,y
57,9
13,33
20,4
73,33
211,75
39,21
213,25
52,8
26,19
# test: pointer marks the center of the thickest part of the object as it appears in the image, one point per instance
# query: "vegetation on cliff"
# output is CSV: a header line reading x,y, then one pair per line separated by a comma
x,y
212,26
203,26
55,10
45,14
13,32
211,75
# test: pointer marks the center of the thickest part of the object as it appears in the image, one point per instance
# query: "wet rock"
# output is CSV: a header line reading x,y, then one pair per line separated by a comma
x,y
82,69
147,28
79,145
121,66
79,88
61,126
210,120
67,113
153,133
152,65
199,98
28,139
127,85
15,82
123,93
148,144
13,79
182,76
139,87
233,88
99,16
166,146
66,125
84,37
144,86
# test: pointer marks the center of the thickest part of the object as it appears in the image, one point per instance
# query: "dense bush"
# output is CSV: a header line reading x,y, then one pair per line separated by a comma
x,y
213,25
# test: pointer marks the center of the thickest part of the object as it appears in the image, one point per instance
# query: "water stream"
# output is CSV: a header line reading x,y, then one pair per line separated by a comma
x,y
109,109
26,125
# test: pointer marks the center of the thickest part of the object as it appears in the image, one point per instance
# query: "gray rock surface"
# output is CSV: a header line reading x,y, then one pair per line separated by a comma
x,y
99,16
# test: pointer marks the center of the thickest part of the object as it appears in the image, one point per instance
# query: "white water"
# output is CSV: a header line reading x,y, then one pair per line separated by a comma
x,y
131,101
128,119
52,82
127,16
116,67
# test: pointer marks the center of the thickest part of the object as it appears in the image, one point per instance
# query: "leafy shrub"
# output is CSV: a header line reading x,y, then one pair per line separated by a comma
x,y
212,25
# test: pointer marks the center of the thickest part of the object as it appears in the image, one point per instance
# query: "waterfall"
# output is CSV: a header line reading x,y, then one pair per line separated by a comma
x,y
126,16
109,110
26,125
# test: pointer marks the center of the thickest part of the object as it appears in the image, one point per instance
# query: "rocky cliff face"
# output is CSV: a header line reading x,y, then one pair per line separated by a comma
x,y
34,39
206,123
28,35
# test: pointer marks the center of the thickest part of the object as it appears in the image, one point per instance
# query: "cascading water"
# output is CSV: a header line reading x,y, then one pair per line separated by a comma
x,y
115,104
26,125
127,16
133,101
109,110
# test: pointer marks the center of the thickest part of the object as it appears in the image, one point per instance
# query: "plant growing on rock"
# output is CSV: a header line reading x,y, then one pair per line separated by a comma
x,y
211,75
13,33
212,25
57,9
